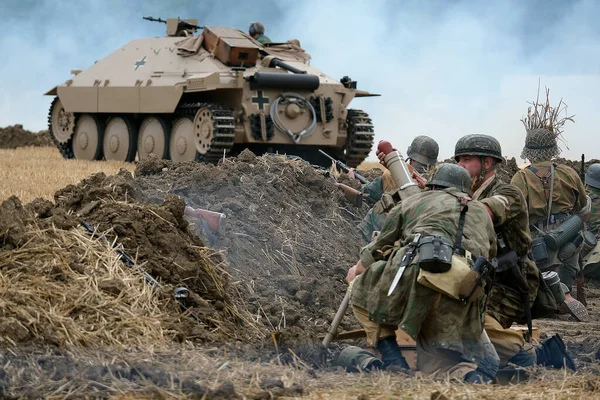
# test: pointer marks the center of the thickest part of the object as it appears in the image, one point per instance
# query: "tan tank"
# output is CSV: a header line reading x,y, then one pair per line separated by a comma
x,y
201,97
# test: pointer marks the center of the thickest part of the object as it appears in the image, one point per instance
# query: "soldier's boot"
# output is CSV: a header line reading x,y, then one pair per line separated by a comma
x,y
573,306
553,353
391,356
355,359
486,370
522,359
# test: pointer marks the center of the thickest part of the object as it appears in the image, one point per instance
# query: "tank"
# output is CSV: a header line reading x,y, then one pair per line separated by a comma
x,y
202,93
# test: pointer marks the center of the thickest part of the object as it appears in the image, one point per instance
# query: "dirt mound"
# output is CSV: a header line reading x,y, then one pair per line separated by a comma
x,y
15,136
60,282
289,236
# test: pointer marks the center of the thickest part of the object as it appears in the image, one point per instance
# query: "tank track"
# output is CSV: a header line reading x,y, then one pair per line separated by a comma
x,y
66,149
223,129
360,138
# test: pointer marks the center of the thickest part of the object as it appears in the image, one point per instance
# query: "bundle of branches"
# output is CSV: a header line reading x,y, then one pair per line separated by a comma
x,y
544,116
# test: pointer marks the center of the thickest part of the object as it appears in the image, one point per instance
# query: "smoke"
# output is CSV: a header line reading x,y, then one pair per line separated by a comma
x,y
443,68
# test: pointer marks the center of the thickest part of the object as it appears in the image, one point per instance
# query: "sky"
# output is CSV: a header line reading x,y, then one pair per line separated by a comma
x,y
444,68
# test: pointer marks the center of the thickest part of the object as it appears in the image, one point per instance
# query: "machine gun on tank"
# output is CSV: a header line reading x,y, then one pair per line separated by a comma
x,y
177,26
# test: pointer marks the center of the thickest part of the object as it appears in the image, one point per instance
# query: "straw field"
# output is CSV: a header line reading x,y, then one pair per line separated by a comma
x,y
30,172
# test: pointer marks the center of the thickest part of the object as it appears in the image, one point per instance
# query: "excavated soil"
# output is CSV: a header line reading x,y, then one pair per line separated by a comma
x,y
15,136
289,236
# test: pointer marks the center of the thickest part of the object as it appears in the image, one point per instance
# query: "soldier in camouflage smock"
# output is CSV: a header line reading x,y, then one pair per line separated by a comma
x,y
517,278
592,259
422,156
568,198
447,331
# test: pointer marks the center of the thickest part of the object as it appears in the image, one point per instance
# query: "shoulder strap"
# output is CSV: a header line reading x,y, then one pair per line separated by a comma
x,y
461,224
552,166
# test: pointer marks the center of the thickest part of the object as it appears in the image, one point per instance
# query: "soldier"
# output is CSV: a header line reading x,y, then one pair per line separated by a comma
x,y
422,156
553,192
592,259
592,181
257,31
517,279
448,331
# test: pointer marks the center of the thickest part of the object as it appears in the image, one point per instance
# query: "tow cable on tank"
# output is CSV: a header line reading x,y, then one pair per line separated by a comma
x,y
286,98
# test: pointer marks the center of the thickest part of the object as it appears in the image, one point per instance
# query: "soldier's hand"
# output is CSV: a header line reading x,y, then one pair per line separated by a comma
x,y
354,271
351,173
381,156
419,180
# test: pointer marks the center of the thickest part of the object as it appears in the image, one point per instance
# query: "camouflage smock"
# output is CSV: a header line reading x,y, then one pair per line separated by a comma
x,y
375,190
594,218
415,308
505,302
568,195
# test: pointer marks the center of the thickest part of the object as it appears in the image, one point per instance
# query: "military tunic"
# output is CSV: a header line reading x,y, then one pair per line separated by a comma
x,y
510,210
436,319
568,196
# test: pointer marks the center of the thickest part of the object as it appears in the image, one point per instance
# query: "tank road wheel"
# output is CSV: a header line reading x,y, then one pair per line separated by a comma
x,y
119,139
360,137
203,130
87,140
213,130
181,142
153,138
61,125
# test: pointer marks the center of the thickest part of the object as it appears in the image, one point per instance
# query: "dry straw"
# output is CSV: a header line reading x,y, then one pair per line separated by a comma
x,y
544,116
65,288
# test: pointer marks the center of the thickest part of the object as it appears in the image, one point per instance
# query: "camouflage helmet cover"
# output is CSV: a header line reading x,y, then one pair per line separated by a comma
x,y
478,145
592,176
540,145
451,175
424,150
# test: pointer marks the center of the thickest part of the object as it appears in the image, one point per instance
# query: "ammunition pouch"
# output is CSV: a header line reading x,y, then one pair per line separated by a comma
x,y
539,251
435,254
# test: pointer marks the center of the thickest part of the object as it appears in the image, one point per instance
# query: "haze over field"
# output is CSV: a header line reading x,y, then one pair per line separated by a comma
x,y
444,68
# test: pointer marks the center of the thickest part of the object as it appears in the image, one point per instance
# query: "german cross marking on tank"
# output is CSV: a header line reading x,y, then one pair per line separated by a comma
x,y
140,63
260,100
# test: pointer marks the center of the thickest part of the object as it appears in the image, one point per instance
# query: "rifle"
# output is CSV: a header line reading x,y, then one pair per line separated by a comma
x,y
355,197
180,293
344,167
582,169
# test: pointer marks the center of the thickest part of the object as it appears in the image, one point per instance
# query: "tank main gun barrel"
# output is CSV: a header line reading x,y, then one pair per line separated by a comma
x,y
276,62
